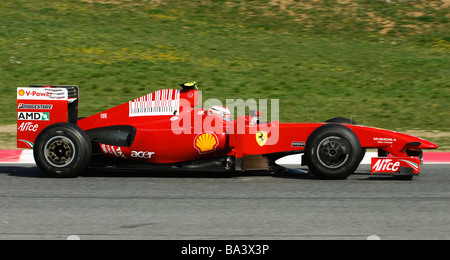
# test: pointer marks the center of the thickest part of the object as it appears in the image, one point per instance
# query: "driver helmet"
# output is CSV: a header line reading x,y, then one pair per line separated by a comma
x,y
220,111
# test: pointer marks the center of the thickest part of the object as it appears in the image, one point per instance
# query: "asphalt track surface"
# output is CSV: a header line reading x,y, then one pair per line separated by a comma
x,y
141,205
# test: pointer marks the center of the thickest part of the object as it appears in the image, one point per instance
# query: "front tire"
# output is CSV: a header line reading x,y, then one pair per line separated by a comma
x,y
333,151
342,120
62,150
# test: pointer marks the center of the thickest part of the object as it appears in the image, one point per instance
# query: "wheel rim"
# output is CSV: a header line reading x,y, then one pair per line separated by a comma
x,y
333,152
59,151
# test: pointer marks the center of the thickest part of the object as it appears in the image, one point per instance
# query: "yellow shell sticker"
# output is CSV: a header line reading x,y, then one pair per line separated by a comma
x,y
206,142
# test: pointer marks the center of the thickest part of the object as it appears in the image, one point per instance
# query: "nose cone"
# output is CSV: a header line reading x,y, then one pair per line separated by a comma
x,y
428,145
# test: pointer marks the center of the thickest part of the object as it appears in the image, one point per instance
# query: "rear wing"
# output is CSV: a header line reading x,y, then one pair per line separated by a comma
x,y
41,106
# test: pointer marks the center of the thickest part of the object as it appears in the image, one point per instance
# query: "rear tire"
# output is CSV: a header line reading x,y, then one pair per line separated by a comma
x,y
62,150
333,151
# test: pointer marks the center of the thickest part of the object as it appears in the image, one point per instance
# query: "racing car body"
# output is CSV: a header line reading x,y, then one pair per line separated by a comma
x,y
164,130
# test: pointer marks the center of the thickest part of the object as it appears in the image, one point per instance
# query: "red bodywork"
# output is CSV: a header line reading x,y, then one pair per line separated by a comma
x,y
161,133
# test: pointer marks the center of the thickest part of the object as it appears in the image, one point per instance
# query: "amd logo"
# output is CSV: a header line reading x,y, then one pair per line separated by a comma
x,y
33,116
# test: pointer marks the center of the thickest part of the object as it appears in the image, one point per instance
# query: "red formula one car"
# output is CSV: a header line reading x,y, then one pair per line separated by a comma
x,y
165,131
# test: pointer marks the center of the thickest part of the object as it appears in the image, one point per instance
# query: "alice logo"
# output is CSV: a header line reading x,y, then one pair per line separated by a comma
x,y
206,142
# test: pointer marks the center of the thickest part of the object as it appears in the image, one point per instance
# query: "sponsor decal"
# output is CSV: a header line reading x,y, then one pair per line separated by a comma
x,y
42,93
206,142
33,116
28,127
35,106
159,103
386,165
298,144
33,93
382,140
113,151
104,116
261,138
142,155
392,165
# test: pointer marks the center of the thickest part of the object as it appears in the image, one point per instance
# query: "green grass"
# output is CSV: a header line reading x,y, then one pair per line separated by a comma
x,y
385,65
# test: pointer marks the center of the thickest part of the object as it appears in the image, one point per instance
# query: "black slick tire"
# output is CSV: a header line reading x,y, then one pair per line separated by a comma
x,y
62,150
333,151
342,120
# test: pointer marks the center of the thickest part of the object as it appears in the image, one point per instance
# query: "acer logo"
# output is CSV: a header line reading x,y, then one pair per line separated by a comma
x,y
142,155
386,165
28,127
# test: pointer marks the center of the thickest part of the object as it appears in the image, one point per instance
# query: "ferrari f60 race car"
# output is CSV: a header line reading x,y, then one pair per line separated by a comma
x,y
165,131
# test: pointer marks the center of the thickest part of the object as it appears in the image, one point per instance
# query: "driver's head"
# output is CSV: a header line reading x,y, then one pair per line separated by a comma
x,y
220,111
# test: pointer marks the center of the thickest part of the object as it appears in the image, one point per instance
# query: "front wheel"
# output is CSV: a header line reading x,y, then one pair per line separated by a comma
x,y
62,150
333,151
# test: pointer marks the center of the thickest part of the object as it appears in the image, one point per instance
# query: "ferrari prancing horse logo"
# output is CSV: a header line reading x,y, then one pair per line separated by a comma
x,y
261,138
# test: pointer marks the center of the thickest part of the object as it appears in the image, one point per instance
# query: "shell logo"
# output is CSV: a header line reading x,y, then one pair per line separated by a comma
x,y
21,92
206,142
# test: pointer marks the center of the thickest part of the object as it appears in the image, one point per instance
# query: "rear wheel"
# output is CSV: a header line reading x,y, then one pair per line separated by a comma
x,y
333,152
62,150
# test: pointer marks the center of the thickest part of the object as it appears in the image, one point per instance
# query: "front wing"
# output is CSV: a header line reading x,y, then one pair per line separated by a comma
x,y
396,166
